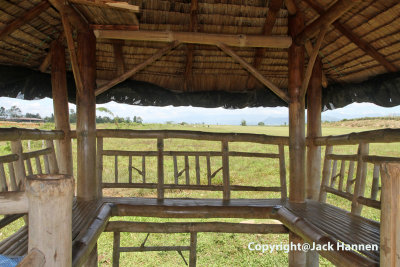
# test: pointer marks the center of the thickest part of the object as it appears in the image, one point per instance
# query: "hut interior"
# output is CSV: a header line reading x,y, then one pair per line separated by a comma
x,y
322,54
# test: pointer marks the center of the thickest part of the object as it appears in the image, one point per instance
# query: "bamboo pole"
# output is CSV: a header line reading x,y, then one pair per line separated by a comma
x,y
87,182
375,182
314,98
116,249
350,177
225,170
50,217
282,172
197,170
13,181
60,105
187,177
16,134
390,215
325,174
160,169
193,248
19,166
361,176
3,181
297,142
53,165
99,164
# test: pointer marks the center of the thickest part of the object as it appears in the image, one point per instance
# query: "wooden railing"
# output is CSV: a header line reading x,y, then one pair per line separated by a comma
x,y
19,163
353,189
161,135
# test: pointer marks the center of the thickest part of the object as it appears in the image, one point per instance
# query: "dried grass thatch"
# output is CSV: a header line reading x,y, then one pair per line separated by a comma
x,y
375,21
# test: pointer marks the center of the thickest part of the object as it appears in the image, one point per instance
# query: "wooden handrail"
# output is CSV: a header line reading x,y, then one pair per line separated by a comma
x,y
374,136
195,135
9,158
14,134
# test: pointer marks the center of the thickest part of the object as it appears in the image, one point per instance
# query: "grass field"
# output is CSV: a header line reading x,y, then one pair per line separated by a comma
x,y
213,249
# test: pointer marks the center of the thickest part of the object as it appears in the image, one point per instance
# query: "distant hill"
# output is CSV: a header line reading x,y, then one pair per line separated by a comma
x,y
374,122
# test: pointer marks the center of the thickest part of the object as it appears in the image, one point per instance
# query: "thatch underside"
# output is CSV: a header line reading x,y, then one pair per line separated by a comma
x,y
374,21
17,82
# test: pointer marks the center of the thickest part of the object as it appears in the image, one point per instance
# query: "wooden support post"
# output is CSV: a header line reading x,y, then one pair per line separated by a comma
x,y
225,170
99,164
390,215
314,98
193,248
297,142
325,174
160,168
87,183
53,165
19,166
60,105
361,177
116,246
50,217
282,171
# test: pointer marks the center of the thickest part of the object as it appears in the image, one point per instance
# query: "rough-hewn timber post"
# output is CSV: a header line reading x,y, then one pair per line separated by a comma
x,y
60,105
390,215
297,146
87,184
314,94
50,217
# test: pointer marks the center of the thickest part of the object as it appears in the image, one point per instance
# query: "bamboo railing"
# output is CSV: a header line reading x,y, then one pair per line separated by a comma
x,y
353,189
19,163
160,153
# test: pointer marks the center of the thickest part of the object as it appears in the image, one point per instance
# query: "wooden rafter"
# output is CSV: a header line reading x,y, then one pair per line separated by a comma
x,y
117,27
239,40
74,17
137,68
327,18
309,49
273,10
72,52
311,61
281,94
291,7
363,45
108,4
193,27
26,17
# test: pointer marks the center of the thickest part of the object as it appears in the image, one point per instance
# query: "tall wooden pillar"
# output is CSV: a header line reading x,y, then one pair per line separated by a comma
x,y
60,105
314,96
297,146
87,184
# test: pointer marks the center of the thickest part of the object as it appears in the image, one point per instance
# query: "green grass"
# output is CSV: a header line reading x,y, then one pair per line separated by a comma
x,y
213,249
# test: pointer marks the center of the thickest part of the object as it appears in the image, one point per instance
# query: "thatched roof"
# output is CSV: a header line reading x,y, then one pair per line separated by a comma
x,y
376,22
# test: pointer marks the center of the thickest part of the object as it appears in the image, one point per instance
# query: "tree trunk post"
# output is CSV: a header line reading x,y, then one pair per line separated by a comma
x,y
60,104
297,144
50,217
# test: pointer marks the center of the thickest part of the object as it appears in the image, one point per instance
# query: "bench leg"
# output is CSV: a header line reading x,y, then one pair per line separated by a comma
x,y
312,259
116,245
296,258
92,259
193,247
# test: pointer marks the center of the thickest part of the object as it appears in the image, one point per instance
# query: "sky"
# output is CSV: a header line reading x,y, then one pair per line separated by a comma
x,y
188,114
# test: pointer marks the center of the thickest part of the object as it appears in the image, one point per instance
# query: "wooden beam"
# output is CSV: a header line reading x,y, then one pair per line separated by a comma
x,y
291,7
281,94
239,40
72,52
327,18
74,17
273,11
107,4
309,49
117,27
363,45
193,27
311,61
26,17
137,68
119,56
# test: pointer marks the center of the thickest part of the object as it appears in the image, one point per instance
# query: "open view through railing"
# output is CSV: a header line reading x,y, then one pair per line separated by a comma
x,y
173,164
197,172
